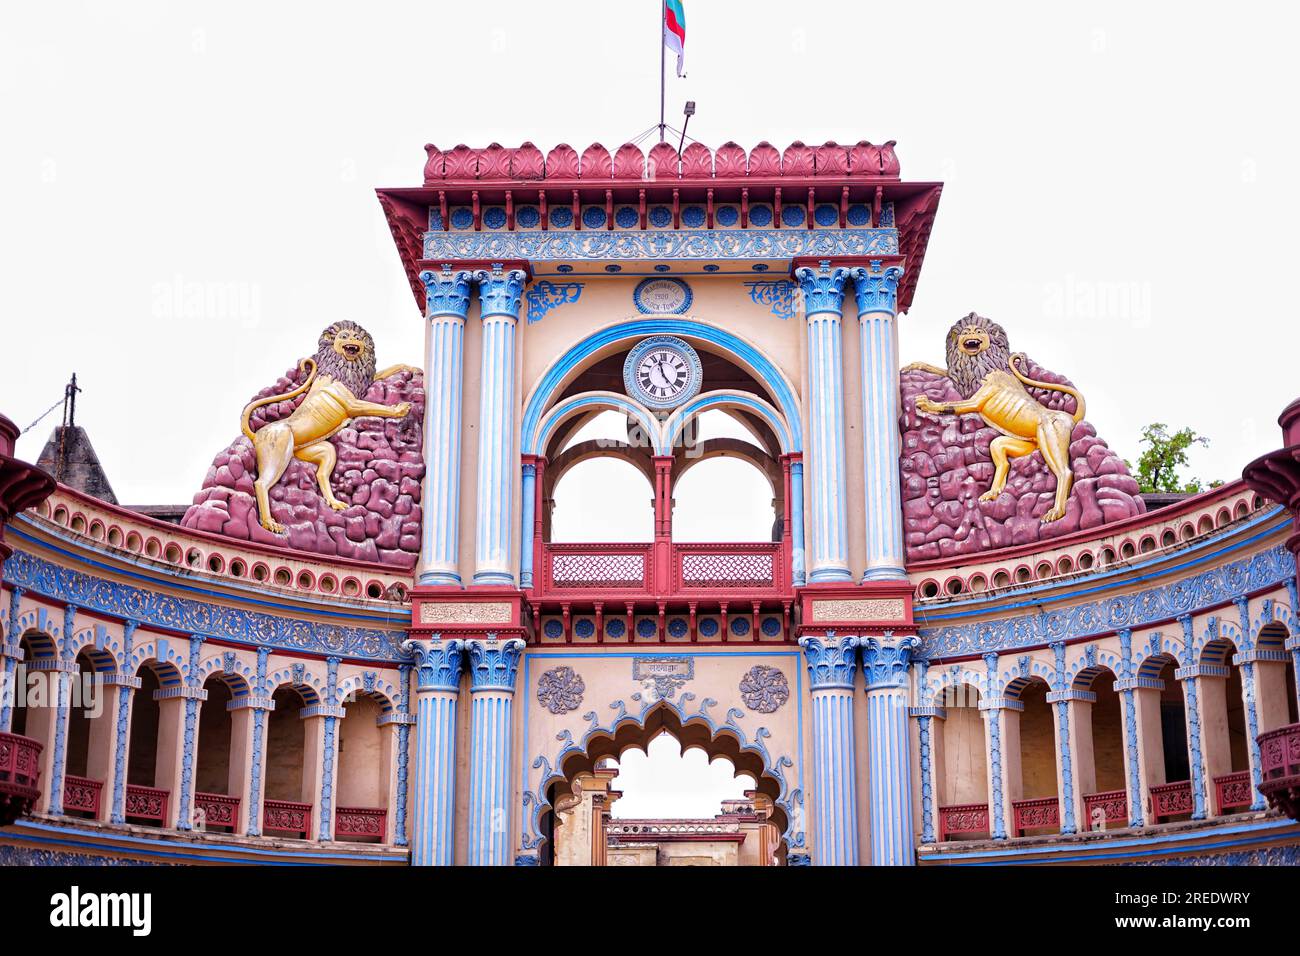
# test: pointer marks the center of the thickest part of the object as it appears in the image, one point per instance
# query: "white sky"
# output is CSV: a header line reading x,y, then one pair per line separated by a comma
x,y
1117,188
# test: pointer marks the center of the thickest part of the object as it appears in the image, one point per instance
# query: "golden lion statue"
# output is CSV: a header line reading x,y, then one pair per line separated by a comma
x,y
979,360
343,368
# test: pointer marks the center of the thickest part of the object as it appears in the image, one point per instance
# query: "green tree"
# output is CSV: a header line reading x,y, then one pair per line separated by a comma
x,y
1163,455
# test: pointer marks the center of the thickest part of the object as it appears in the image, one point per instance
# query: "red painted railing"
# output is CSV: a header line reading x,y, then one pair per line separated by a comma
x,y
1170,800
217,809
1034,814
1233,791
287,817
81,795
146,803
963,818
662,570
1112,805
361,822
1279,768
20,770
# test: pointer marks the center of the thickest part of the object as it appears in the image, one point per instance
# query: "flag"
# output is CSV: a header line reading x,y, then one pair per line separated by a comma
x,y
675,31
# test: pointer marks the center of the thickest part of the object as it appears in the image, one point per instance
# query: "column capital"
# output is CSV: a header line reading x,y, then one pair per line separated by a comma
x,y
437,663
500,290
830,662
493,663
885,661
822,288
446,291
876,286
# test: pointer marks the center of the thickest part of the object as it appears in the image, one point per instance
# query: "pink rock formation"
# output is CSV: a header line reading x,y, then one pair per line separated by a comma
x,y
945,466
378,474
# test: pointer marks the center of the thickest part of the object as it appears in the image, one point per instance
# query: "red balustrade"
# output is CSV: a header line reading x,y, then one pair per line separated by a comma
x,y
1233,791
963,818
1105,807
146,803
81,795
663,570
1279,768
361,823
216,810
1170,800
286,817
20,770
1035,814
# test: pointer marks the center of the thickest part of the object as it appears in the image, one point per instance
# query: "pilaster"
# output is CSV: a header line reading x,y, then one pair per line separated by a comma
x,y
831,664
493,667
886,661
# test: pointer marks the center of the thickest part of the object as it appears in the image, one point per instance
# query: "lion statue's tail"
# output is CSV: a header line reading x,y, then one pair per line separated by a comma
x,y
272,399
1079,405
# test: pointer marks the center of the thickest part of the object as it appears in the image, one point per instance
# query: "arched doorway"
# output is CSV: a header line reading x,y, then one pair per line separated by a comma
x,y
365,770
1035,805
288,801
1100,763
578,826
961,764
90,736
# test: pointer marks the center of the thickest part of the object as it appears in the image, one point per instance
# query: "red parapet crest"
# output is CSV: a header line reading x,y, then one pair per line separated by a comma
x,y
494,162
798,160
697,161
832,159
730,162
432,164
764,160
596,163
663,161
461,163
562,162
629,162
527,163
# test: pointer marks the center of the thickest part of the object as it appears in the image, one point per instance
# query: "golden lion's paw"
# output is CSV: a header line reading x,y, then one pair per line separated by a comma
x,y
925,404
990,495
273,526
338,505
1053,514
402,410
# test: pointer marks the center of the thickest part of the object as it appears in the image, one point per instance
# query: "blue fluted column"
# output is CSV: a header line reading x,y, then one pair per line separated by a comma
x,y
886,664
1187,675
11,651
830,679
262,704
493,665
823,296
65,670
877,295
447,303
1125,686
1246,662
500,292
329,748
991,700
127,685
194,694
437,687
404,719
926,713
798,559
1060,699
527,503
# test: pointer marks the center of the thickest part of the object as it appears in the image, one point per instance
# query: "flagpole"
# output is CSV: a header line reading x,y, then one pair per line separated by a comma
x,y
663,20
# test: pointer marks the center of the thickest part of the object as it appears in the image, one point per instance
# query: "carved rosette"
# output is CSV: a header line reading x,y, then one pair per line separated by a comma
x,y
764,689
885,662
830,665
437,663
493,663
560,690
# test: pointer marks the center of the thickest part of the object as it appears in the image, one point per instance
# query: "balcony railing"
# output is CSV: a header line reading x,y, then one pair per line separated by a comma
x,y
1035,814
1279,768
1170,800
146,803
217,809
286,817
361,823
663,570
1106,807
963,818
1233,791
81,795
20,770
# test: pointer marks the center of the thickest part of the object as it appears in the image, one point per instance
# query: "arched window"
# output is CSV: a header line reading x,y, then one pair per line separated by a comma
x,y
365,771
961,765
288,801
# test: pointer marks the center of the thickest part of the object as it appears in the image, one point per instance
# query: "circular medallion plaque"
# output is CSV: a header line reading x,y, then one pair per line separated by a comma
x,y
662,296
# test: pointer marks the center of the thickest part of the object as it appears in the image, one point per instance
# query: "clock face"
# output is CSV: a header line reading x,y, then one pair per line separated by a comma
x,y
662,372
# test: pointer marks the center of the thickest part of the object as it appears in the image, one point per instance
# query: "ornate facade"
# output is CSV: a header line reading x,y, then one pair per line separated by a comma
x,y
967,641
